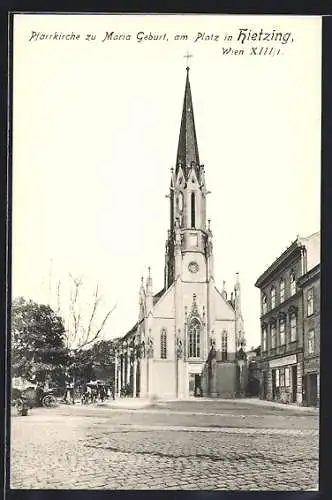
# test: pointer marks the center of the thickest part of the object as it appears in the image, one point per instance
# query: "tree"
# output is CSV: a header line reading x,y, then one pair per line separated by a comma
x,y
95,362
82,332
38,341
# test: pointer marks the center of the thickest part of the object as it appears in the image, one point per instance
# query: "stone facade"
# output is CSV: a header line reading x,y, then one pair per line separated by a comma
x,y
283,321
187,336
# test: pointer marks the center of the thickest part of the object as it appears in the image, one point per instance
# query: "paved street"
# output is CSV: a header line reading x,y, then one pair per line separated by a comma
x,y
175,445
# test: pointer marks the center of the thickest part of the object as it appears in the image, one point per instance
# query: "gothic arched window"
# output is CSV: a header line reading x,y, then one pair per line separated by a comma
x,y
163,344
224,345
192,209
194,339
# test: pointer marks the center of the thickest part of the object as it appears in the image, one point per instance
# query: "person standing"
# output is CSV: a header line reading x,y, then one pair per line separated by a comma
x,y
71,392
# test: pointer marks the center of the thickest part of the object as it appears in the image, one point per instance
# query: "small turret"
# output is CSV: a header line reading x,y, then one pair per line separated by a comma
x,y
149,282
239,323
141,300
149,292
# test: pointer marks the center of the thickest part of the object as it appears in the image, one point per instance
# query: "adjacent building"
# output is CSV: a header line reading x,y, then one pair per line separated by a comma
x,y
310,285
285,357
188,337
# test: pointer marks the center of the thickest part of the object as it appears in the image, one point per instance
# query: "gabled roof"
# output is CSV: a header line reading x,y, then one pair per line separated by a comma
x,y
132,330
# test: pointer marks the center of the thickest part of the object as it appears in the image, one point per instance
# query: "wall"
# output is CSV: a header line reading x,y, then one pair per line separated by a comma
x,y
165,306
312,244
198,257
312,322
226,379
162,379
293,264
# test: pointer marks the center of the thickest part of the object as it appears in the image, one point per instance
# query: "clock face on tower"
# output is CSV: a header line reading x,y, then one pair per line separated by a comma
x,y
193,267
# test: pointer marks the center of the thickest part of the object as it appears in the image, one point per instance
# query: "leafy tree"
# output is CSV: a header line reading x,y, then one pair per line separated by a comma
x,y
97,361
38,344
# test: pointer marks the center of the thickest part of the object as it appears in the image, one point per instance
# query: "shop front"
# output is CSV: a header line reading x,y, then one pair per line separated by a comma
x,y
286,379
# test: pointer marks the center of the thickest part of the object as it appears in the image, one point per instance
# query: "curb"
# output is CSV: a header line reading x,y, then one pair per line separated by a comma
x,y
254,402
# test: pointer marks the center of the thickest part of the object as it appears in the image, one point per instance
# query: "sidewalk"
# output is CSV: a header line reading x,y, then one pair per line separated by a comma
x,y
128,403
253,401
275,404
118,403
139,404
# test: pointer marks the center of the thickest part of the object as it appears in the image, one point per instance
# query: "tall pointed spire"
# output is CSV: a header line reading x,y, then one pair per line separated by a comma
x,y
187,148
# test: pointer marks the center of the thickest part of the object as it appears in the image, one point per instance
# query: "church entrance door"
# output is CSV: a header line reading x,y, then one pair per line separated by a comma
x,y
198,388
191,384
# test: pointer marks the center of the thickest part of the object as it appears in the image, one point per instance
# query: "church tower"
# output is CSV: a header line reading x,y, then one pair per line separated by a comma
x,y
189,243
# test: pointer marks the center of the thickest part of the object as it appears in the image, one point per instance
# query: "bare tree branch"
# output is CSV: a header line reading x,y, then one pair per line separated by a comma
x,y
58,297
80,334
100,329
94,308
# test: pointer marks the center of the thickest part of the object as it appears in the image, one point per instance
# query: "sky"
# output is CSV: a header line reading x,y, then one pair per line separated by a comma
x,y
95,131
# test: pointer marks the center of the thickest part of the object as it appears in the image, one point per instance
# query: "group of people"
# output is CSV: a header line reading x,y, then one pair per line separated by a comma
x,y
89,392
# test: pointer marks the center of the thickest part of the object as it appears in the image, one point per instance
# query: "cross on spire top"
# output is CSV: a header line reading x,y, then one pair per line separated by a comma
x,y
187,56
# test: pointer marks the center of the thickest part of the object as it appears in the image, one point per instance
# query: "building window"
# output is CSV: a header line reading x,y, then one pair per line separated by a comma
x,y
192,209
264,341
287,378
282,331
310,302
264,304
282,291
292,284
224,346
163,344
194,339
311,341
273,298
293,327
277,377
273,336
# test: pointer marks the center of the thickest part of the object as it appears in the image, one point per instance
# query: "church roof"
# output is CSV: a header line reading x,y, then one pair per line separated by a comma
x,y
231,303
187,147
157,296
131,331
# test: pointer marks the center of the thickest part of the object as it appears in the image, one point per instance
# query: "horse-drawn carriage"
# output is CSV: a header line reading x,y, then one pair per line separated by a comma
x,y
95,390
32,397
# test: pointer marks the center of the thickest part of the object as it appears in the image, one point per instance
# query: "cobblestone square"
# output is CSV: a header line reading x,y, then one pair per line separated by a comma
x,y
185,445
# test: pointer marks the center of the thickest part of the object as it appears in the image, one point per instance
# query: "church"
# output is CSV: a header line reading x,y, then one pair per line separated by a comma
x,y
188,339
